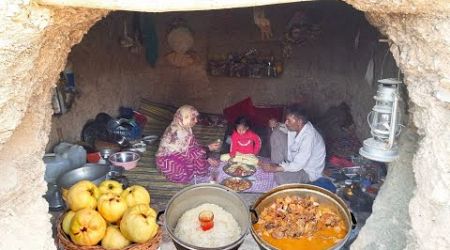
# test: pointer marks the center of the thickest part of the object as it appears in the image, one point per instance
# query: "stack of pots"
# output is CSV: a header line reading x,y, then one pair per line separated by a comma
x,y
196,195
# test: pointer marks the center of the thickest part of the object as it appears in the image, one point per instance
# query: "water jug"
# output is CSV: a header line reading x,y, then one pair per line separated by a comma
x,y
76,154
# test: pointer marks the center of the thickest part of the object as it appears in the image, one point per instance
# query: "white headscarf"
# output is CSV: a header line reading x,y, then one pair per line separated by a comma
x,y
178,134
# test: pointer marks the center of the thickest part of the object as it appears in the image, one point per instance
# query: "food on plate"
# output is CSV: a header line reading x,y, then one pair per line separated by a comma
x,y
295,222
239,170
248,159
224,231
237,184
225,157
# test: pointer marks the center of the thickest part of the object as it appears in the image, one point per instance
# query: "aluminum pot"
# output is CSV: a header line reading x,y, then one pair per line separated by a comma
x,y
323,196
196,195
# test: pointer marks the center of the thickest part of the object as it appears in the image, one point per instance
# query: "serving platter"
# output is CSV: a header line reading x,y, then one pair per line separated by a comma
x,y
239,169
238,184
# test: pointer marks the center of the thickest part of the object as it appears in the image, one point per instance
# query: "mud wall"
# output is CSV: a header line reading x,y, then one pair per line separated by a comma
x,y
35,42
320,73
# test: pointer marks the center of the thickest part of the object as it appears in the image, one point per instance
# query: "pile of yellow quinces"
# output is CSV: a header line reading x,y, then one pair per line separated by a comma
x,y
109,214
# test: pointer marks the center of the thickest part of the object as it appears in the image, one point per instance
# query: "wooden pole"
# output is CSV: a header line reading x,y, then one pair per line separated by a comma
x,y
161,5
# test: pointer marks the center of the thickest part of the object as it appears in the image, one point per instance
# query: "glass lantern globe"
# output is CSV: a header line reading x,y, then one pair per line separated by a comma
x,y
383,123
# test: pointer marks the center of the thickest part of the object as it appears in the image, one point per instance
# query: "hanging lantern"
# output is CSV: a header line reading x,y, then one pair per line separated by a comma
x,y
384,123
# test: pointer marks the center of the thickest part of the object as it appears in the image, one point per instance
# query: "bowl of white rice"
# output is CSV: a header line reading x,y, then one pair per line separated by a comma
x,y
231,218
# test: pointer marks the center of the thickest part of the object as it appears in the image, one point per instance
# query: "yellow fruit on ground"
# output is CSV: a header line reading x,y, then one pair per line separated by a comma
x,y
136,195
83,194
111,207
87,227
66,221
138,224
110,186
64,194
114,239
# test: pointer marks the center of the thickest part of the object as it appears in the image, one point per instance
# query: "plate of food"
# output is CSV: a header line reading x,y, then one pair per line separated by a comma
x,y
238,184
239,169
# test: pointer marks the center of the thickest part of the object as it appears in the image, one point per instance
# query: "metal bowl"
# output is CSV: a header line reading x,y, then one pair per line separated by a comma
x,y
92,172
125,159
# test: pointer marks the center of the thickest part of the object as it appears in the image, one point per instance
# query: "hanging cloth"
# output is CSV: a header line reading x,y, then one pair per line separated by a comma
x,y
149,37
370,67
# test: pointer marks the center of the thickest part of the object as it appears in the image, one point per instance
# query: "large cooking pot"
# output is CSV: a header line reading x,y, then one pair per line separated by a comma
x,y
323,196
196,195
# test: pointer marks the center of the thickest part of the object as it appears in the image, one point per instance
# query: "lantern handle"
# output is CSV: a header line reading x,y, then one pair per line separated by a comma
x,y
393,122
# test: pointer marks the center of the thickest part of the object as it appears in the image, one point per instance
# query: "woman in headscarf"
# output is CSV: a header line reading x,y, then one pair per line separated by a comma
x,y
180,156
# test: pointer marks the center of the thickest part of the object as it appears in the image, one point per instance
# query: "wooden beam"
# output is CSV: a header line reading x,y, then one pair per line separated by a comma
x,y
161,5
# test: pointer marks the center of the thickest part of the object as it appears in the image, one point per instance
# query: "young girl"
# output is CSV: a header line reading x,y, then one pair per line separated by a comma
x,y
244,140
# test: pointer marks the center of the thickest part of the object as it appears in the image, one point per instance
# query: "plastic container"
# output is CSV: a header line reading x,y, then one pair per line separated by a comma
x,y
55,165
76,154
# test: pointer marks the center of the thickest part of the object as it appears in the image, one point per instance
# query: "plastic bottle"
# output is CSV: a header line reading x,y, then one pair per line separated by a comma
x,y
76,154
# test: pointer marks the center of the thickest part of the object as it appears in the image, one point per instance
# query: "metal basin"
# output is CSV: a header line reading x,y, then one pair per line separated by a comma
x,y
125,159
196,195
92,172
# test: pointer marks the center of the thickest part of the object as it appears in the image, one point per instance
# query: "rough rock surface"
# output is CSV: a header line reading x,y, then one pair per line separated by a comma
x,y
34,45
35,42
421,47
389,226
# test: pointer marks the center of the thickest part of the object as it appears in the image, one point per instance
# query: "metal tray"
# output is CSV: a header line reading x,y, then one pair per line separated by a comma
x,y
227,169
226,183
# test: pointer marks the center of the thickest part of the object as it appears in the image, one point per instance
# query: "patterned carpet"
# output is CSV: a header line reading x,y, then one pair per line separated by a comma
x,y
146,174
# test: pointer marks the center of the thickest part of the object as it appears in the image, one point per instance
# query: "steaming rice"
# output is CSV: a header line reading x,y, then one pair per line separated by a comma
x,y
225,231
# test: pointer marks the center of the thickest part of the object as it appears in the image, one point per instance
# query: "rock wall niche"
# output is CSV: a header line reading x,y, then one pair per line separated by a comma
x,y
35,43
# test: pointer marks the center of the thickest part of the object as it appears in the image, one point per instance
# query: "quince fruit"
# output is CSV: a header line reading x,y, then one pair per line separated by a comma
x,y
136,195
114,239
111,207
87,227
110,186
83,194
67,220
138,224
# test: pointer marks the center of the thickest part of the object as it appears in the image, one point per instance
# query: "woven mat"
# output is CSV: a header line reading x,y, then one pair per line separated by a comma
x,y
146,174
